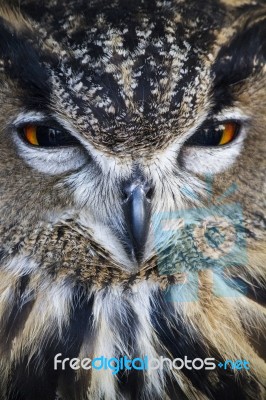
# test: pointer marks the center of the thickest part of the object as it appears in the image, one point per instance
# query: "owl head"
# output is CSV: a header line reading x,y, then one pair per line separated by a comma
x,y
132,161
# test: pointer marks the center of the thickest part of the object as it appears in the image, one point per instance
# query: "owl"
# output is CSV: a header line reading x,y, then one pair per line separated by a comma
x,y
132,199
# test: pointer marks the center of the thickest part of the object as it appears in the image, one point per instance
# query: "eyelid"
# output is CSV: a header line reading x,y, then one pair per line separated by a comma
x,y
45,122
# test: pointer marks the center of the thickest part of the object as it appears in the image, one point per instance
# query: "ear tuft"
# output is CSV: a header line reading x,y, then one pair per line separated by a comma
x,y
16,21
244,54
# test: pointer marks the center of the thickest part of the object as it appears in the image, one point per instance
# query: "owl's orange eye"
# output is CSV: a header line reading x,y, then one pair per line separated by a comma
x,y
30,132
229,131
215,135
45,136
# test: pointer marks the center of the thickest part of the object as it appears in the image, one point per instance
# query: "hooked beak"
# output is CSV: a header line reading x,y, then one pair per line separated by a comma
x,y
137,211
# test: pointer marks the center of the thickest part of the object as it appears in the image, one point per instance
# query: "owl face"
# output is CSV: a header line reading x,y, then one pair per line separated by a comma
x,y
126,127
113,117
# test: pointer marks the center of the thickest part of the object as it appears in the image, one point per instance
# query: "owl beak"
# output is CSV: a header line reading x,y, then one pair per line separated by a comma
x,y
137,210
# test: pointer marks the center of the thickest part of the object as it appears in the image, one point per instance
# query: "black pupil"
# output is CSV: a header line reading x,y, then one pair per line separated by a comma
x,y
52,137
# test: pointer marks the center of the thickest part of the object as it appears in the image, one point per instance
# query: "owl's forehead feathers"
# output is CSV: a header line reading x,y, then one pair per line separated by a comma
x,y
129,73
134,72
133,93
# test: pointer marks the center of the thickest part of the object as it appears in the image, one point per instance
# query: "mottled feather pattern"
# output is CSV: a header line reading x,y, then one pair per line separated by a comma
x,y
132,81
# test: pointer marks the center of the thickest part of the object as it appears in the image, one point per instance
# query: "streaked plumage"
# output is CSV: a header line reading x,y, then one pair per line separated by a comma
x,y
132,82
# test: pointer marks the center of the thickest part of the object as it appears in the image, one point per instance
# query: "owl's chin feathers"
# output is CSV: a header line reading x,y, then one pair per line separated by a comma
x,y
134,315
